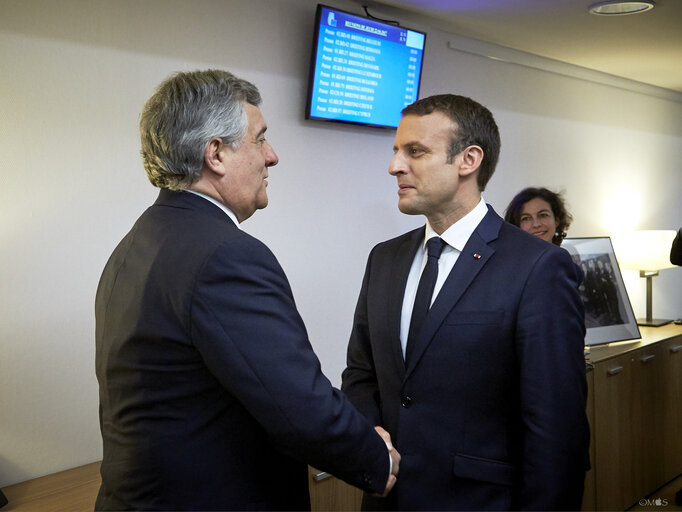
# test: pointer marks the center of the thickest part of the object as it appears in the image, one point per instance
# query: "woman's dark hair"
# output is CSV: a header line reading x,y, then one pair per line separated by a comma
x,y
556,202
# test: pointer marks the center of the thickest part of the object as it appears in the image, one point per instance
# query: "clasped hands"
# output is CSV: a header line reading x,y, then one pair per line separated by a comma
x,y
395,458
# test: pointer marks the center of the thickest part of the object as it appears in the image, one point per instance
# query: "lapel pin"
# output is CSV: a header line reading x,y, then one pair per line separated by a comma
x,y
477,256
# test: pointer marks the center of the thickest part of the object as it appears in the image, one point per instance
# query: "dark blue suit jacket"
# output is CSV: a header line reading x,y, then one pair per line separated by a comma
x,y
211,397
489,414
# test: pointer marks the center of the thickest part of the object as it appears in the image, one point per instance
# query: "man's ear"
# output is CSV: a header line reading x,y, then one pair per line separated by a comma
x,y
214,160
472,156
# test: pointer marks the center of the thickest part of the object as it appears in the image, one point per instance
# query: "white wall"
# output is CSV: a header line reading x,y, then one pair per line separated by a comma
x,y
74,75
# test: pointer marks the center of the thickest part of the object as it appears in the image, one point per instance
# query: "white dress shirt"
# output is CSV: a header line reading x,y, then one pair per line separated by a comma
x,y
455,237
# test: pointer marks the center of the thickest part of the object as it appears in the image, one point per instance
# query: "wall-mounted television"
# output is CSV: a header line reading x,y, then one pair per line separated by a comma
x,y
362,70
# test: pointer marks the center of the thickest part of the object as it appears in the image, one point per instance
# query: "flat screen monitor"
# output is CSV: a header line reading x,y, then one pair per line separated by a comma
x,y
362,71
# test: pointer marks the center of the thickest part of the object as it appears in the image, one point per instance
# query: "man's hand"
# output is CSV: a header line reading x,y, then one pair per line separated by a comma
x,y
395,459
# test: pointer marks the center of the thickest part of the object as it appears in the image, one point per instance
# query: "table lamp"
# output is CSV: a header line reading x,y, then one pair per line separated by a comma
x,y
648,252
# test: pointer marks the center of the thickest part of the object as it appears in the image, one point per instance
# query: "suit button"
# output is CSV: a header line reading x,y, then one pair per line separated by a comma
x,y
406,402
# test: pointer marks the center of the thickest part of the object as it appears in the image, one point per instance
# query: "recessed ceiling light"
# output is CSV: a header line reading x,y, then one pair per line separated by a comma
x,y
619,7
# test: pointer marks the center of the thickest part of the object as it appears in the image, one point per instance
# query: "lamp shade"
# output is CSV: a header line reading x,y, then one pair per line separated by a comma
x,y
645,250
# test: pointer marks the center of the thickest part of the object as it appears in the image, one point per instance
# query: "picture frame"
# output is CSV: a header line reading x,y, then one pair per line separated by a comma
x,y
608,312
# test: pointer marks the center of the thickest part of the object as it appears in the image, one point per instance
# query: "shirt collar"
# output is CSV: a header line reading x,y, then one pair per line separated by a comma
x,y
220,205
459,233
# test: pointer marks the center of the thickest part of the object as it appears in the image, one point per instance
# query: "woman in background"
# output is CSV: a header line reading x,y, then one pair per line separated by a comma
x,y
540,212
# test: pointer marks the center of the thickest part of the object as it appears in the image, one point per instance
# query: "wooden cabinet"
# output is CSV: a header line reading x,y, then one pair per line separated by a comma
x,y
590,493
671,353
648,393
612,434
636,392
330,494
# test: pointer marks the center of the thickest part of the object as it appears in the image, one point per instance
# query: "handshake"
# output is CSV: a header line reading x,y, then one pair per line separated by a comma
x,y
395,460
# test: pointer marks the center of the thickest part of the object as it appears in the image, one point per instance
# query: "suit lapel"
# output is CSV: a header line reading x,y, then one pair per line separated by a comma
x,y
399,271
476,253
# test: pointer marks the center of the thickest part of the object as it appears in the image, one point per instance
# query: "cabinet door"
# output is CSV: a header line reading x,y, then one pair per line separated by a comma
x,y
648,419
589,496
328,493
672,417
613,433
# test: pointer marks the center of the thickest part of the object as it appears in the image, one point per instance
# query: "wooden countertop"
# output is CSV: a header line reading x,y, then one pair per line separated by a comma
x,y
650,335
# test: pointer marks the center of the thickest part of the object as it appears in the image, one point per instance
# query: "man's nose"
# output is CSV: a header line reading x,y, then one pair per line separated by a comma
x,y
271,158
396,166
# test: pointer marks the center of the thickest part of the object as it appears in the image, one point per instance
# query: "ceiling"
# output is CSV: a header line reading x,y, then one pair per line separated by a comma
x,y
644,47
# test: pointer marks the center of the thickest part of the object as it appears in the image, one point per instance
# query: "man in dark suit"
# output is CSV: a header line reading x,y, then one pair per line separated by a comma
x,y
485,398
211,397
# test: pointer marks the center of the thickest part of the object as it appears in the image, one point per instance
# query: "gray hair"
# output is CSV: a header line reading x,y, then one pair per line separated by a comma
x,y
185,112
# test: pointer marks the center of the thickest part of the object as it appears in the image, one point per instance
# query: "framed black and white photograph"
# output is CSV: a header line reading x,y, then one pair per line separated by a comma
x,y
608,312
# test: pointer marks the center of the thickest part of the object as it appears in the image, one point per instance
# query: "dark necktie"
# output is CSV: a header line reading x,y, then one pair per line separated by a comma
x,y
427,283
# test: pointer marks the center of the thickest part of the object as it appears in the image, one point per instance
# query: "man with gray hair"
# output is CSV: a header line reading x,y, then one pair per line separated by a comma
x,y
211,397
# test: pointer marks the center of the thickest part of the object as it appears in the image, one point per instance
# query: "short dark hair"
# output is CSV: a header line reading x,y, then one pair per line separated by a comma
x,y
556,202
474,125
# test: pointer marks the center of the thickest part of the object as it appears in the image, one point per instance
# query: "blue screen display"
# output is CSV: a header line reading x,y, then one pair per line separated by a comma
x,y
362,71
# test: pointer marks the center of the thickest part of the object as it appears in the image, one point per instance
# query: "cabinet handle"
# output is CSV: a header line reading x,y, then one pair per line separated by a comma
x,y
648,358
322,475
675,349
614,371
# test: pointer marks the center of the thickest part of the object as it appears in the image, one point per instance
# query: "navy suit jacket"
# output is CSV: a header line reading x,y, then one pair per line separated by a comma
x,y
489,413
211,397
